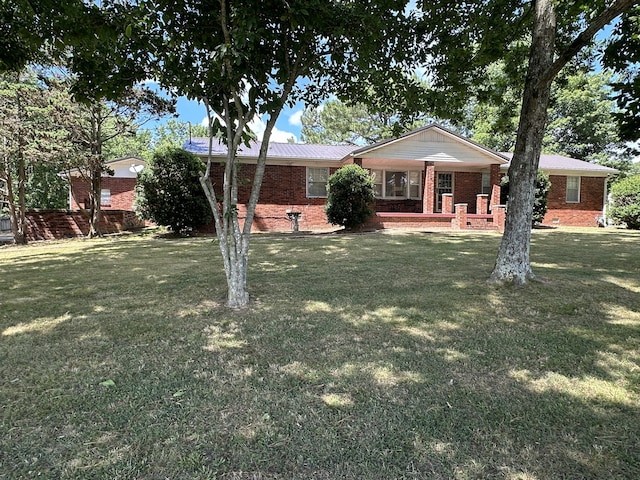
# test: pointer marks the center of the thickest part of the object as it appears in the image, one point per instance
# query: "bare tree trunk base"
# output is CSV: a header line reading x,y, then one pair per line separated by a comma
x,y
517,279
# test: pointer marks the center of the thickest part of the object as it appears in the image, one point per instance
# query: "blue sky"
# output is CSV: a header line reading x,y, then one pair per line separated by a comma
x,y
288,123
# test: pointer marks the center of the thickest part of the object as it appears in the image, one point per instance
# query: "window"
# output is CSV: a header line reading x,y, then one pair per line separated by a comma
x,y
573,189
414,184
486,183
105,197
397,184
378,181
317,181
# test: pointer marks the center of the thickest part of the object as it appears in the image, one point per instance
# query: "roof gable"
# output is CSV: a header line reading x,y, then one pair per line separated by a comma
x,y
124,167
431,143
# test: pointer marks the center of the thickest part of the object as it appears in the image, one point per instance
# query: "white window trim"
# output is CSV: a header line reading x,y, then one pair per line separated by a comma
x,y
104,192
307,181
567,189
404,197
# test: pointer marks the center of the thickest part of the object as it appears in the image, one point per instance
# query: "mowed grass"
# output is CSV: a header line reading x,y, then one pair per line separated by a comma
x,y
371,356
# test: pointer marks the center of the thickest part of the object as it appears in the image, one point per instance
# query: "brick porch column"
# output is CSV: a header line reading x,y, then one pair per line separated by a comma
x,y
460,222
482,203
447,203
495,194
428,195
494,175
499,215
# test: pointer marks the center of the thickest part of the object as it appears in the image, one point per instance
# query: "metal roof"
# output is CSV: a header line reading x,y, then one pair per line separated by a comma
x,y
299,151
306,151
559,162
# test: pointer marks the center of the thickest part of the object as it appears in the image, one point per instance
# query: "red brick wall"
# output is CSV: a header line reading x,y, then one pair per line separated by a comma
x,y
581,214
122,193
53,224
283,188
466,185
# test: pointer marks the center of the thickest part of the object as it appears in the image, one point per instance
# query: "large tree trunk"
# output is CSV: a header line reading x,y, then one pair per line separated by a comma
x,y
513,263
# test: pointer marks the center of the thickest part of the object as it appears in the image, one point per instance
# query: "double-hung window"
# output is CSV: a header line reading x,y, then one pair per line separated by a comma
x,y
573,189
105,197
486,183
378,182
317,178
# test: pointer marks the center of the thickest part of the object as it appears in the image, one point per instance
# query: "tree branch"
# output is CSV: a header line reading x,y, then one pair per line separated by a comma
x,y
617,8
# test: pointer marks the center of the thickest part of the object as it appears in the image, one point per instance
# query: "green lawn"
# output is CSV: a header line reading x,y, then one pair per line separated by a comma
x,y
369,356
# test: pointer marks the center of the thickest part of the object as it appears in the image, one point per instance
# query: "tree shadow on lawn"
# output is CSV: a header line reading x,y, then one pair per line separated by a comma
x,y
386,359
439,398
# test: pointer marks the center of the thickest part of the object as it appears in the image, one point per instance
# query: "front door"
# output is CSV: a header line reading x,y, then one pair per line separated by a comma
x,y
444,184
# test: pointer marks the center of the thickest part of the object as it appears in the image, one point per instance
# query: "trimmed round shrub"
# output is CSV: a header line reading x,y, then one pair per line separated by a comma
x,y
625,202
169,193
350,194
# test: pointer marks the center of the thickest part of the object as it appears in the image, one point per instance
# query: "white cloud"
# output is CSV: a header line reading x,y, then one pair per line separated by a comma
x,y
258,126
296,118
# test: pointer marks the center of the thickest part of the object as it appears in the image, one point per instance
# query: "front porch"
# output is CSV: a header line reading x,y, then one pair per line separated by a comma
x,y
454,217
459,216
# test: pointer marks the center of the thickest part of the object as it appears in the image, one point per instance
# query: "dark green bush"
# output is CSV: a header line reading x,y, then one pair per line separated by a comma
x,y
350,196
625,202
168,191
540,201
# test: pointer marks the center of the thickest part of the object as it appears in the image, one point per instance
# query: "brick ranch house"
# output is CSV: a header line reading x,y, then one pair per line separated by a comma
x,y
429,177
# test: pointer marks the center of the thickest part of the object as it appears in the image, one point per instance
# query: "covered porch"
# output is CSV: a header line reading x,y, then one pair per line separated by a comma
x,y
432,177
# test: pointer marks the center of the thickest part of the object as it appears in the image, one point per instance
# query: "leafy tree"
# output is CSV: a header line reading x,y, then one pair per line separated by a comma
x,y
339,123
135,145
94,124
350,194
169,193
44,188
175,133
251,62
582,122
549,34
30,139
625,202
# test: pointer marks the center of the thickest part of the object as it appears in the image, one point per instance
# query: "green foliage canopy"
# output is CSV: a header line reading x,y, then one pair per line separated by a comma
x,y
625,202
168,191
350,196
